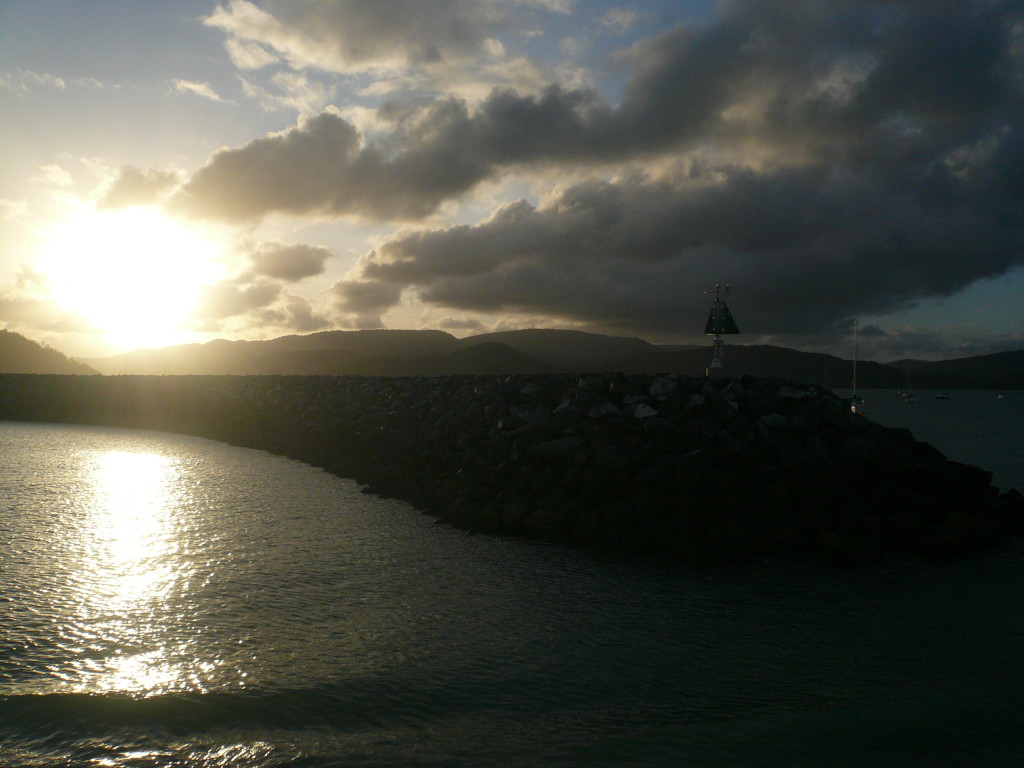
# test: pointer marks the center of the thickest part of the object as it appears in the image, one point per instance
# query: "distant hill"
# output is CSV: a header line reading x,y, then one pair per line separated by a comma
x,y
325,353
566,351
436,353
812,367
1000,370
21,355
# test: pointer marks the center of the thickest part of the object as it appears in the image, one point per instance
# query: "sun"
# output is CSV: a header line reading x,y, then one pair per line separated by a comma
x,y
134,275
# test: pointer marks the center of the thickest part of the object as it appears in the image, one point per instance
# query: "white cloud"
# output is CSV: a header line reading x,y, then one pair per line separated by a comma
x,y
22,81
249,55
12,210
202,90
620,19
54,176
448,45
294,90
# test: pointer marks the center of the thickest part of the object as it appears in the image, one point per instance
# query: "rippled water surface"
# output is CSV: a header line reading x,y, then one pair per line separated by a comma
x,y
166,600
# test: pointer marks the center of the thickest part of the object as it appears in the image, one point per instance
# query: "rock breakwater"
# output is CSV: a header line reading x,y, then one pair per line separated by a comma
x,y
682,467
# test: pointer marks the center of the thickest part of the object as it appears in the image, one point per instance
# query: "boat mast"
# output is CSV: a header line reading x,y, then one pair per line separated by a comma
x,y
855,359
856,403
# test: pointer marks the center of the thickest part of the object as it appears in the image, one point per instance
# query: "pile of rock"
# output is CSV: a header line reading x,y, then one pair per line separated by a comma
x,y
684,467
691,468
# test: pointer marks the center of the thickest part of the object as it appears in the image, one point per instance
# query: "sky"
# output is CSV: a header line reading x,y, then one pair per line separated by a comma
x,y
178,172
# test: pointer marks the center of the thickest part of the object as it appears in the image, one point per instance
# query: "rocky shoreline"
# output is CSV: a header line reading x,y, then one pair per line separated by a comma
x,y
675,466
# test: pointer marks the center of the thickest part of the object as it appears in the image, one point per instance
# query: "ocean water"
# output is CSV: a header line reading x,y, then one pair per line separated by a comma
x,y
171,601
980,427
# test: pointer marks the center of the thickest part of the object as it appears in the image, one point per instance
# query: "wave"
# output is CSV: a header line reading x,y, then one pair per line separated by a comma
x,y
37,714
358,703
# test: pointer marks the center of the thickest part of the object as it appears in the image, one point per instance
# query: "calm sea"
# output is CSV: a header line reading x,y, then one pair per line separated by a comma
x,y
979,427
171,601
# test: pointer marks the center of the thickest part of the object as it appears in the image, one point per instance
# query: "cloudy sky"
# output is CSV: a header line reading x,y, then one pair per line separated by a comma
x,y
175,172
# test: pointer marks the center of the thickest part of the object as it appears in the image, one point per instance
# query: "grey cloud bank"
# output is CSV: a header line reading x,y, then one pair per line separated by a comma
x,y
834,159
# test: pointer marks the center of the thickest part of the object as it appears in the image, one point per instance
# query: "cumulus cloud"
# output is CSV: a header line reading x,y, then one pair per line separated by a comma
x,y
291,90
256,297
231,298
12,210
805,247
353,35
390,45
289,262
799,149
239,304
365,300
53,175
137,186
762,85
203,90
294,314
249,55
299,171
26,303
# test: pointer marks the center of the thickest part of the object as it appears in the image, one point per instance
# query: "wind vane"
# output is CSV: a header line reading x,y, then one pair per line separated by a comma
x,y
719,322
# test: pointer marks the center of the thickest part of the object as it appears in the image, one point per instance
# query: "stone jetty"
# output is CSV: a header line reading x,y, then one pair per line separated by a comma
x,y
673,466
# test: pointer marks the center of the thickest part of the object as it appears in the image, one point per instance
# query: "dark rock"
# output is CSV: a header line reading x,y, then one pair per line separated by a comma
x,y
685,467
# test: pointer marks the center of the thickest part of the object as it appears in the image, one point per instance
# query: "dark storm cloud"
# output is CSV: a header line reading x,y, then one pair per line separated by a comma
x,y
872,87
831,158
806,248
138,186
290,262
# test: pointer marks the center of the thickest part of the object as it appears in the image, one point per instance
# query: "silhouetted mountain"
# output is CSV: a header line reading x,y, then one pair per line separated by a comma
x,y
434,353
763,360
326,353
396,343
1000,370
21,355
565,351
490,358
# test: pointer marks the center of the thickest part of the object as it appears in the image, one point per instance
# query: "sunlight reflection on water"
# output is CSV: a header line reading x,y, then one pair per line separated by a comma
x,y
126,572
170,601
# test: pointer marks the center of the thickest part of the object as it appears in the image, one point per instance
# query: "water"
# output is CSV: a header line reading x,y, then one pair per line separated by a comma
x,y
170,601
974,426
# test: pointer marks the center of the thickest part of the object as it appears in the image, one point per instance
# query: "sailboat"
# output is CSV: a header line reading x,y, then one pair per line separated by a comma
x,y
856,402
908,393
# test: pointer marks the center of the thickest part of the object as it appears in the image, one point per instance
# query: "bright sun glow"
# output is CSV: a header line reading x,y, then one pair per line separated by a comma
x,y
134,274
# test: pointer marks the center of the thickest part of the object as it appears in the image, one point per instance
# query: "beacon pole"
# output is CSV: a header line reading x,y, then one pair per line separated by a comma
x,y
720,322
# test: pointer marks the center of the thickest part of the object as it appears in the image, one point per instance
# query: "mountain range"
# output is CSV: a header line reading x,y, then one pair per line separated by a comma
x,y
21,355
436,353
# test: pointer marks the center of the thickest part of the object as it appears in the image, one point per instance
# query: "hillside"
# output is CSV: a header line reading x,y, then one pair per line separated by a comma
x,y
566,351
812,367
436,353
325,353
1000,370
21,355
